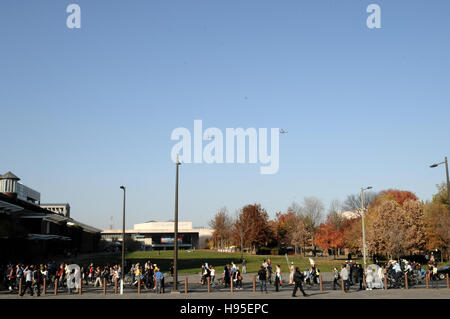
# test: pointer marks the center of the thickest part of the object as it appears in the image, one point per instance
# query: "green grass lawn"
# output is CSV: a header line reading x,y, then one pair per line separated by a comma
x,y
191,262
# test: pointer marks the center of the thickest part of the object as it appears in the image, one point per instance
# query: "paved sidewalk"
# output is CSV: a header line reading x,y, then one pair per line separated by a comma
x,y
198,291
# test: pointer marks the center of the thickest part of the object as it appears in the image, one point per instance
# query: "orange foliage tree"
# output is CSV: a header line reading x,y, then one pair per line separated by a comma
x,y
252,227
328,237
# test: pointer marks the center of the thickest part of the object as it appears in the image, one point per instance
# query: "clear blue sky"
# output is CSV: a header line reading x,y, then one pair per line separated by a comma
x,y
85,111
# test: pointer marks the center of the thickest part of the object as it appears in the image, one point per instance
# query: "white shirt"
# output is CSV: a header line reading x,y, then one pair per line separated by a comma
x,y
213,272
28,275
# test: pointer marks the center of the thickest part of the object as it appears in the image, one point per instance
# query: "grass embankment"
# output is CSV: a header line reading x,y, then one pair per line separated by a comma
x,y
191,262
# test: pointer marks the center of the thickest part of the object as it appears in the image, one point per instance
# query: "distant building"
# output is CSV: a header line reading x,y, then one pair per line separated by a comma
x,y
30,232
9,185
62,209
350,214
160,235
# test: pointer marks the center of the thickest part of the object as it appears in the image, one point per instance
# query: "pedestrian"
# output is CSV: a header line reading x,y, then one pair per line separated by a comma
x,y
298,278
226,276
244,266
12,278
28,276
237,279
345,277
158,278
213,275
97,276
202,275
291,273
360,272
350,272
336,277
369,279
71,281
278,278
269,270
262,276
38,279
19,275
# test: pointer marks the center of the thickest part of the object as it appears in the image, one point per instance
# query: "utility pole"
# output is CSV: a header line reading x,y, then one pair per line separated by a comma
x,y
122,275
363,224
175,239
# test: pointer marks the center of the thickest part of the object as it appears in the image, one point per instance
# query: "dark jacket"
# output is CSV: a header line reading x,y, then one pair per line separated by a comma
x,y
298,277
262,275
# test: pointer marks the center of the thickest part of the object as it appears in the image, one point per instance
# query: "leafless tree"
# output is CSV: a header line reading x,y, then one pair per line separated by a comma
x,y
221,225
312,212
353,202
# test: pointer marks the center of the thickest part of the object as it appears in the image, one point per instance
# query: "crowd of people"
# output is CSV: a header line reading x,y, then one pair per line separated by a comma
x,y
377,275
150,277
34,276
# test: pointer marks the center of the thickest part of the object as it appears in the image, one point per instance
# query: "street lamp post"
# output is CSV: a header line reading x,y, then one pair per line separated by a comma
x,y
122,275
363,226
448,180
175,239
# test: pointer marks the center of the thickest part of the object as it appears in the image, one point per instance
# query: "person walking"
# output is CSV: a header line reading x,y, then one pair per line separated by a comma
x,y
237,278
244,266
19,275
335,278
38,279
28,276
269,271
298,278
262,276
278,279
97,276
291,273
226,276
12,278
71,281
360,277
213,275
158,278
345,277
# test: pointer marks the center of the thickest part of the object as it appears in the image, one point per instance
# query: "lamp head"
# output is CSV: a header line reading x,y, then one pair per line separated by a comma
x,y
122,187
434,165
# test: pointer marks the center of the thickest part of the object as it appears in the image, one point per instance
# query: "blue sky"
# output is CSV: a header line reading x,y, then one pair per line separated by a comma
x,y
84,111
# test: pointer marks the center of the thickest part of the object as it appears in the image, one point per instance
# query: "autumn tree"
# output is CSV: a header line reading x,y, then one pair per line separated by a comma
x,y
328,237
352,233
289,229
254,223
437,222
395,225
221,225
399,196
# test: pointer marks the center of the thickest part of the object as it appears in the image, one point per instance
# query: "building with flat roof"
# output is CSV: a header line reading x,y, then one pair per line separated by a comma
x,y
62,209
9,185
160,235
30,231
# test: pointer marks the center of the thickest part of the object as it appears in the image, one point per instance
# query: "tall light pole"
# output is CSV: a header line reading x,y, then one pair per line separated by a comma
x,y
175,235
122,275
363,226
448,180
